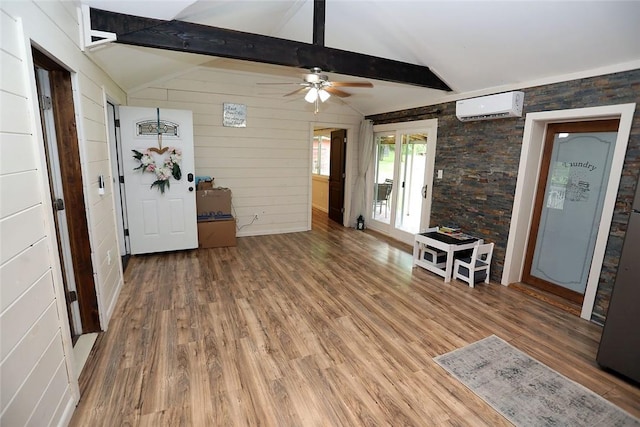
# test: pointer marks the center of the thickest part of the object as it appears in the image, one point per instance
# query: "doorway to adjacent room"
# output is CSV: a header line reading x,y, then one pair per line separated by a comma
x,y
572,185
329,171
404,157
525,193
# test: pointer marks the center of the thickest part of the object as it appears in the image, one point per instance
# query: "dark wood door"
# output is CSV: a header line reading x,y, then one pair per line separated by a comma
x,y
337,175
569,197
73,204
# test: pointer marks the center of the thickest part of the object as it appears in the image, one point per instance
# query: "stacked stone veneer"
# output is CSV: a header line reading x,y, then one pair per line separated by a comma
x,y
480,162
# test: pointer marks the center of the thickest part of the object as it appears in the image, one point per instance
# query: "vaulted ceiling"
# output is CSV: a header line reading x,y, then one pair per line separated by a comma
x,y
475,47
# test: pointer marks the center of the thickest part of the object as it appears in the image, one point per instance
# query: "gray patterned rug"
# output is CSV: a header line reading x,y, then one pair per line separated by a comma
x,y
525,391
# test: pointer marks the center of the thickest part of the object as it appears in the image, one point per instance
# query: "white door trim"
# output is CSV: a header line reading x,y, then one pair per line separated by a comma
x,y
528,171
117,169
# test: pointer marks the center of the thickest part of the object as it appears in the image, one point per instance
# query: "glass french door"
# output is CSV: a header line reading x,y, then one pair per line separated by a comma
x,y
403,173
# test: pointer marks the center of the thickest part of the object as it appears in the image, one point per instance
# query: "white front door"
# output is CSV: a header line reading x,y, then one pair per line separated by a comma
x,y
158,160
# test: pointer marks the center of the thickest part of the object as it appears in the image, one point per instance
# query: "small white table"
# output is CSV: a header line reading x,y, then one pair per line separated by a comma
x,y
445,243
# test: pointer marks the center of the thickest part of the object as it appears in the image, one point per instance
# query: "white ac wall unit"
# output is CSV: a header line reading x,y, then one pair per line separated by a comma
x,y
508,104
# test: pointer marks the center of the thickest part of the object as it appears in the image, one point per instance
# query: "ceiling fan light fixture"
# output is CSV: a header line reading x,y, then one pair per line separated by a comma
x,y
323,94
312,95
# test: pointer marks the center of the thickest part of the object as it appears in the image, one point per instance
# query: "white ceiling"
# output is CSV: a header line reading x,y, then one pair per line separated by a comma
x,y
476,47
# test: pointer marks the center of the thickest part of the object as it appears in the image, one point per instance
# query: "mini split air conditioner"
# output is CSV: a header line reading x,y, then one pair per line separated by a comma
x,y
507,104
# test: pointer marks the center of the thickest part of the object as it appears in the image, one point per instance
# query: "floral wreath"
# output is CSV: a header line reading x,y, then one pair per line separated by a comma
x,y
170,167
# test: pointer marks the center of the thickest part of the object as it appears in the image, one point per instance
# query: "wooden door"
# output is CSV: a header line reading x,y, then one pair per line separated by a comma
x,y
573,180
74,248
337,175
161,215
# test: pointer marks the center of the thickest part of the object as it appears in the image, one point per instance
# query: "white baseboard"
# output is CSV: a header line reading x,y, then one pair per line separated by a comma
x,y
67,412
272,231
112,306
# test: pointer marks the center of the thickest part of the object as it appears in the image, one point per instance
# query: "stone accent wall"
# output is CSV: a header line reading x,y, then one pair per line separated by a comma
x,y
480,162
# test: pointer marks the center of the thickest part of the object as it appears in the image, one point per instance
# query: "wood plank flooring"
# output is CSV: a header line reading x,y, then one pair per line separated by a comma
x,y
330,327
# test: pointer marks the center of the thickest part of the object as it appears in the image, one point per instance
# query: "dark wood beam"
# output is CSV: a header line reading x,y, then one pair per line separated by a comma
x,y
206,40
319,7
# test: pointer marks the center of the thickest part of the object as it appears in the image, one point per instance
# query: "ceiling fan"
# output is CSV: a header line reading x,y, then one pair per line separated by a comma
x,y
319,88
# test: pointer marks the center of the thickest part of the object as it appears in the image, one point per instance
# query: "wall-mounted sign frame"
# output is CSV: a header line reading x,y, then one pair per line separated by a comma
x,y
234,115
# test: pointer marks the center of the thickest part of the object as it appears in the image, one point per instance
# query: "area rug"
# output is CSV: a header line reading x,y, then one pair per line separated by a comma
x,y
525,391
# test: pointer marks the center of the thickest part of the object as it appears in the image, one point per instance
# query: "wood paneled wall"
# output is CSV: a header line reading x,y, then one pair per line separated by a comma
x,y
266,165
39,382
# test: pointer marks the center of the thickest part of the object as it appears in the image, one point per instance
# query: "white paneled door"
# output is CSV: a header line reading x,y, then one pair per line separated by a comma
x,y
158,161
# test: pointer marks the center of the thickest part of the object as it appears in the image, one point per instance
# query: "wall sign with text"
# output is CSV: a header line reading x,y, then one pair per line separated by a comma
x,y
234,115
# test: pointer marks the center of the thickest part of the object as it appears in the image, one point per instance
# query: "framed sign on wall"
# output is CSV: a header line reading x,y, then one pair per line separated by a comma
x,y
234,115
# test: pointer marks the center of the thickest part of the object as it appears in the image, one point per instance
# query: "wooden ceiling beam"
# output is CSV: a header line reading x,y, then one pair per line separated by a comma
x,y
319,8
206,40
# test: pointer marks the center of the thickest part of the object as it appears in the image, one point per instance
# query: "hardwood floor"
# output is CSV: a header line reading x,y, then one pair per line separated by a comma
x,y
330,327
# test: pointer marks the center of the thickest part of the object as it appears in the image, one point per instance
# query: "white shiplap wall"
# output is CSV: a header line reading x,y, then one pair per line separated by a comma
x,y
266,165
38,378
107,269
32,362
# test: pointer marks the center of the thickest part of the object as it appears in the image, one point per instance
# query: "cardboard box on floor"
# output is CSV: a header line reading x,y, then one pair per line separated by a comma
x,y
213,202
216,226
217,234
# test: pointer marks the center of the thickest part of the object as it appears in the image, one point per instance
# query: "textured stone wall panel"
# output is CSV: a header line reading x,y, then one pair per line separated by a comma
x,y
480,162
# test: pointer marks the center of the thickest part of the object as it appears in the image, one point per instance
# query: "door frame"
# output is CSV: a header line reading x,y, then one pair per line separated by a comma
x,y
352,137
117,170
64,117
431,127
528,171
541,193
49,125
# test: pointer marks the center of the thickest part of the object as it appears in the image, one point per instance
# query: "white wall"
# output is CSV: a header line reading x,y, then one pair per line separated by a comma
x,y
267,165
96,161
39,382
320,192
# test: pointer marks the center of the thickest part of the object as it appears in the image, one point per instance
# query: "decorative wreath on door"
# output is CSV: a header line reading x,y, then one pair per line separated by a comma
x,y
169,168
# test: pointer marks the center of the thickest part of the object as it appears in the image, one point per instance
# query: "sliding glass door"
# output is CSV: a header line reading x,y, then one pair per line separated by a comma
x,y
403,173
385,148
411,195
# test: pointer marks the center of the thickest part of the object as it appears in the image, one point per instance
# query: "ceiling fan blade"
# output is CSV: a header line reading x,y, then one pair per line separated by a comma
x,y
351,84
336,92
264,84
302,89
